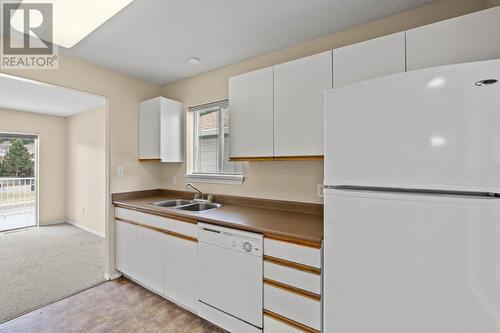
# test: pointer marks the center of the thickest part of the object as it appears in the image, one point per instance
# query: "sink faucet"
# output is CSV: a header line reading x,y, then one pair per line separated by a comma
x,y
199,196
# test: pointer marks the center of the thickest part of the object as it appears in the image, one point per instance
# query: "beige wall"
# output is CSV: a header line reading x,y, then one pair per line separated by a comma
x,y
51,159
86,170
294,180
123,93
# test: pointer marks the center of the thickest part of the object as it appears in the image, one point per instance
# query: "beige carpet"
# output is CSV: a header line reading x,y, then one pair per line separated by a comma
x,y
41,265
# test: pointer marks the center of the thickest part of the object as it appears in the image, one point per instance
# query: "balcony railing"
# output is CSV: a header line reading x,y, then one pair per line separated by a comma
x,y
17,191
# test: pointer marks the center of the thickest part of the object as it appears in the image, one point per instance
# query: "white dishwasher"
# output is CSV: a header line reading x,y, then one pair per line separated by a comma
x,y
230,278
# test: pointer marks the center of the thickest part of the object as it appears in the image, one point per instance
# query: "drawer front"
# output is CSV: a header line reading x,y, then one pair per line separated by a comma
x,y
181,227
272,325
293,277
305,255
293,306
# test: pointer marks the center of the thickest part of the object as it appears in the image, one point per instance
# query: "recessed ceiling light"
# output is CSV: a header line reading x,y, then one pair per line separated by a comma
x,y
193,60
73,20
436,82
437,141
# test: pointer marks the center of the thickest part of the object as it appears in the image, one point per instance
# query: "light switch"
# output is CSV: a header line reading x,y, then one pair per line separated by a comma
x,y
120,171
320,190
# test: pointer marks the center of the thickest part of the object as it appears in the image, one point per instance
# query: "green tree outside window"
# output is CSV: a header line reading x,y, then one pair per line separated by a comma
x,y
17,162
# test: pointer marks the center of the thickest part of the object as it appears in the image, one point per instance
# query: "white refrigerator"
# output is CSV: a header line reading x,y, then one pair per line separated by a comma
x,y
412,203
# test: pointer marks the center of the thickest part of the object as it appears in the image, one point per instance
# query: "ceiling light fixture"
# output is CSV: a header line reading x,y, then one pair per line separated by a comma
x,y
73,20
193,60
437,82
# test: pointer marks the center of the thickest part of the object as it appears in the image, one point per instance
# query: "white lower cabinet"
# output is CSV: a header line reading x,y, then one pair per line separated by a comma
x,y
126,247
150,254
180,271
272,325
292,287
164,261
295,307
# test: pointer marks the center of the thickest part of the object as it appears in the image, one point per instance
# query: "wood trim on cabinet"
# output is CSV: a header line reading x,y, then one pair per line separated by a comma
x,y
295,290
249,159
295,241
161,214
299,158
168,232
294,265
290,322
279,158
149,159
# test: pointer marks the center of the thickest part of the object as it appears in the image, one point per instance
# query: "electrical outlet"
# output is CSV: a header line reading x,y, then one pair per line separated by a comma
x,y
83,211
174,180
120,171
320,190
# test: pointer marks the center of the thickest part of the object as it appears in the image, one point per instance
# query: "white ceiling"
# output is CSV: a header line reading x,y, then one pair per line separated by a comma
x,y
33,96
150,39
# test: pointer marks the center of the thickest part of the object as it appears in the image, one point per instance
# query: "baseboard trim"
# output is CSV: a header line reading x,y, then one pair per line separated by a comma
x,y
112,276
79,226
42,224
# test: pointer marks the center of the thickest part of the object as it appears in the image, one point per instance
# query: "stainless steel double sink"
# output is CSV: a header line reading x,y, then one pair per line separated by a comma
x,y
188,205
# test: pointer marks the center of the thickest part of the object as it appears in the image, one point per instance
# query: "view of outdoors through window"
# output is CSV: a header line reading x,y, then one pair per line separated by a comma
x,y
17,182
211,141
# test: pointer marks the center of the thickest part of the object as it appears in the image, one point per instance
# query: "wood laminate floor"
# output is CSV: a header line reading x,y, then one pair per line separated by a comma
x,y
114,306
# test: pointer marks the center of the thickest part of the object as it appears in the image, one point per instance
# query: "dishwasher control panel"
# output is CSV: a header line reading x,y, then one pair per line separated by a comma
x,y
237,240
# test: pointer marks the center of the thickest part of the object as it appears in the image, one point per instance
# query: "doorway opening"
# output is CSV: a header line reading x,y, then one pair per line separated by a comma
x,y
18,181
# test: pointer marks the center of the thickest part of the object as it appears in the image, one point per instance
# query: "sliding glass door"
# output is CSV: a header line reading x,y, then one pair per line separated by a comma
x,y
18,190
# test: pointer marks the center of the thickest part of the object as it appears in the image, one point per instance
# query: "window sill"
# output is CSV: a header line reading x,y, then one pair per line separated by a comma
x,y
215,179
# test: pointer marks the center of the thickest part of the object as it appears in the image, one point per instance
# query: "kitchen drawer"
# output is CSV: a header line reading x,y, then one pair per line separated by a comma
x,y
272,325
293,277
180,227
304,255
299,308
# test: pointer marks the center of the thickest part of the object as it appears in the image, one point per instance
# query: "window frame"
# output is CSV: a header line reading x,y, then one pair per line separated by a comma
x,y
219,176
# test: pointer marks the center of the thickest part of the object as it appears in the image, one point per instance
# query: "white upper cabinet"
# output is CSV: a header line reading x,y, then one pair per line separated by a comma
x,y
468,38
251,114
160,130
370,59
298,105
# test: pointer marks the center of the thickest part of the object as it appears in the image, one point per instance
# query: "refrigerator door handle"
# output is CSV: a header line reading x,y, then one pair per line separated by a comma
x,y
414,191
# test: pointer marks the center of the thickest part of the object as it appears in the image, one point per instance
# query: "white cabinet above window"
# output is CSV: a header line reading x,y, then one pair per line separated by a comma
x,y
160,130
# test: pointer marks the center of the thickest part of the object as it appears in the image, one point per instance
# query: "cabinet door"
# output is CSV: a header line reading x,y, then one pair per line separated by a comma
x,y
251,114
298,105
149,129
370,59
126,248
171,131
180,271
150,254
468,38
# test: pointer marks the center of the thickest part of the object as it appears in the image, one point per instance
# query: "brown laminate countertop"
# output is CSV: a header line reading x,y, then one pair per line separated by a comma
x,y
289,221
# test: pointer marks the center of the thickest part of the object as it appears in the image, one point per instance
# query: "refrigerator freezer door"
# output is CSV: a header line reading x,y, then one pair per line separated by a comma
x,y
411,263
428,129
